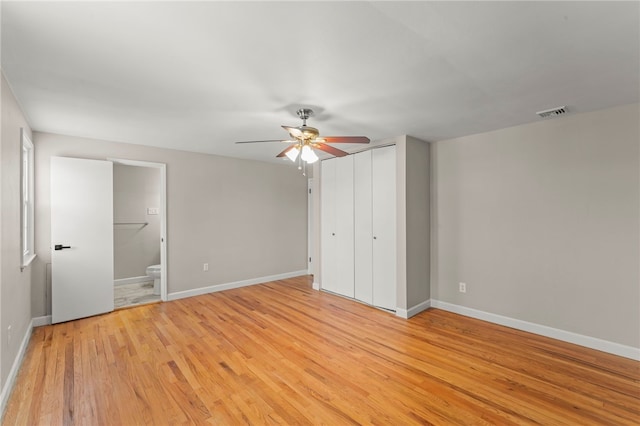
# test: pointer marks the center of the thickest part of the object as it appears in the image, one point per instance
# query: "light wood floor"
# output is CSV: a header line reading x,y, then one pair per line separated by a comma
x,y
282,353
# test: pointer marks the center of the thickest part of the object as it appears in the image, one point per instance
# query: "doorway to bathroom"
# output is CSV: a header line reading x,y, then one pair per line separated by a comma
x,y
139,233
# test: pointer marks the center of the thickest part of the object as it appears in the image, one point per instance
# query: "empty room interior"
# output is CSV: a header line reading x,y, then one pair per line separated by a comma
x,y
353,212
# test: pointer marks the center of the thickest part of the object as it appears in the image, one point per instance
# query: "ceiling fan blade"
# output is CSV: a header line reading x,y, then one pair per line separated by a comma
x,y
268,140
287,149
293,131
345,139
331,150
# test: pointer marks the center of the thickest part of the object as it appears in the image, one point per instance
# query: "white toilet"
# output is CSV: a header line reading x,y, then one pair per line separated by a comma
x,y
154,272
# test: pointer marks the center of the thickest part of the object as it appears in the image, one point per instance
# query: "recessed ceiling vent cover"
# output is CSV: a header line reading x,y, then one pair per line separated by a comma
x,y
552,112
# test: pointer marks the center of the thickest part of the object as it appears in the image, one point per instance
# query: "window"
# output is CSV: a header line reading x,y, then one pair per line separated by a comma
x,y
26,216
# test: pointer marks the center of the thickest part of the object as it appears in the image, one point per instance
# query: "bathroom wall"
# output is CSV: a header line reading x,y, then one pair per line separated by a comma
x,y
136,246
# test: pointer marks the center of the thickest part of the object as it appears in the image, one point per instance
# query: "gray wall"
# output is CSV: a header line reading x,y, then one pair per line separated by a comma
x,y
15,286
412,222
247,219
135,189
418,221
542,223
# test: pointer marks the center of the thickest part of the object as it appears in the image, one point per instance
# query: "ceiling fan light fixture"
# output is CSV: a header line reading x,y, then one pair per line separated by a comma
x,y
308,155
306,139
292,154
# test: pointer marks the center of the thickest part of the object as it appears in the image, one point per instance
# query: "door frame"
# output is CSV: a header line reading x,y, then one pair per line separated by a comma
x,y
310,255
163,216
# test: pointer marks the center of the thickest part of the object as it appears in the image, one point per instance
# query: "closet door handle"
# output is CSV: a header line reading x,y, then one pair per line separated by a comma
x,y
375,238
60,247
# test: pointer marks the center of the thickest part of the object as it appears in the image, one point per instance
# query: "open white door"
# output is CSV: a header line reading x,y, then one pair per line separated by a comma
x,y
81,238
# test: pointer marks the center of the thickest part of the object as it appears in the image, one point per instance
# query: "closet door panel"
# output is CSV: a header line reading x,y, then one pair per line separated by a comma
x,y
344,223
384,227
328,267
363,237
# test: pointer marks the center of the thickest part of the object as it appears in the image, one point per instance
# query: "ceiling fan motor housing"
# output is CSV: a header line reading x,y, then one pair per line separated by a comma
x,y
309,133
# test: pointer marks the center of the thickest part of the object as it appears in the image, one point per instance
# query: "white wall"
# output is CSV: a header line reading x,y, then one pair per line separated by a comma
x,y
542,222
15,285
247,219
135,246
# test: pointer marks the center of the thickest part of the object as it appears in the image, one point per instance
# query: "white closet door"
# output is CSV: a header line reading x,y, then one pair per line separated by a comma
x,y
328,269
344,226
363,228
384,227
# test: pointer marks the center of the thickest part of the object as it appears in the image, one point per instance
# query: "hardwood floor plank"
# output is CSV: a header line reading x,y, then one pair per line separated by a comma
x,y
281,353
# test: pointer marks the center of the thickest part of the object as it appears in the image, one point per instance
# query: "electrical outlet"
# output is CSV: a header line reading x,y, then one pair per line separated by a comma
x,y
462,287
9,335
205,267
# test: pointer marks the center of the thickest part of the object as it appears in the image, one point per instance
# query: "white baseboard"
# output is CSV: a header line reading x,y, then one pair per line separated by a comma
x,y
543,330
13,373
40,321
316,286
132,280
237,284
414,310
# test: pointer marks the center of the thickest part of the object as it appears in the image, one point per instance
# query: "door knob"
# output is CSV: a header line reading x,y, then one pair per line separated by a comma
x,y
60,247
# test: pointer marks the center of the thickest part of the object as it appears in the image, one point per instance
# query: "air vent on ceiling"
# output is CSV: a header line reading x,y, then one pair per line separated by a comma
x,y
552,112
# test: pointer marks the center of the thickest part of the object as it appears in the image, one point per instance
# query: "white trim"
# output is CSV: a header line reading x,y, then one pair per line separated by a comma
x,y
543,330
27,260
13,373
132,280
164,286
310,218
40,321
414,310
137,163
235,284
164,277
27,251
316,286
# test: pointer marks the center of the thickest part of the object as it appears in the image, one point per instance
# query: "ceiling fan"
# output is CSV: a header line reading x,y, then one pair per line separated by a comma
x,y
304,139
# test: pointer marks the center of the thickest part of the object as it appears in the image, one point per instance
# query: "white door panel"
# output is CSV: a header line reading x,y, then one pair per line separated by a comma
x,y
384,227
327,225
363,238
337,225
82,219
344,225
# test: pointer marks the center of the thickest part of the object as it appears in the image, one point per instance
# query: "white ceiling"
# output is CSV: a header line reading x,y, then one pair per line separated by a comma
x,y
199,76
